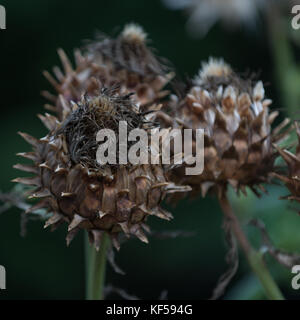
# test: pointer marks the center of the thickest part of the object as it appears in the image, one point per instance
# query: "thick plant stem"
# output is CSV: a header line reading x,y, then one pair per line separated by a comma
x,y
255,259
286,70
95,268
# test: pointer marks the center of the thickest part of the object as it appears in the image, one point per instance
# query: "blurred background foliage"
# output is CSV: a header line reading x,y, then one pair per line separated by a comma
x,y
40,266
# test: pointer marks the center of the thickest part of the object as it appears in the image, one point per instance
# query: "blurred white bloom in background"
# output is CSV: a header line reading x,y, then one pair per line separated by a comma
x,y
205,13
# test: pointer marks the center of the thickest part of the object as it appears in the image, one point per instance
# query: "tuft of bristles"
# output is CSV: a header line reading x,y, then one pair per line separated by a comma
x,y
133,32
213,68
92,114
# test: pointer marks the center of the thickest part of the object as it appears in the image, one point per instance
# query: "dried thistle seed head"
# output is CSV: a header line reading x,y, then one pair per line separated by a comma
x,y
292,178
129,51
133,62
112,199
126,61
234,114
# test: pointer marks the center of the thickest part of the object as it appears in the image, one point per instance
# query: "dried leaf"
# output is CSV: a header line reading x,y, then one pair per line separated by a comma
x,y
232,258
111,260
109,289
286,259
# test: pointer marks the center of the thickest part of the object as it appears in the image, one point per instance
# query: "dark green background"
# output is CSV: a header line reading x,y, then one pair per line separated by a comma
x,y
40,266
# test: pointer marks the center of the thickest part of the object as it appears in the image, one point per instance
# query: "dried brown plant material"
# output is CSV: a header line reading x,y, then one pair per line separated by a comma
x,y
109,198
235,116
125,61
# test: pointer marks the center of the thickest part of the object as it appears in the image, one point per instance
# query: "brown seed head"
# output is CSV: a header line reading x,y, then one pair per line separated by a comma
x,y
113,199
235,116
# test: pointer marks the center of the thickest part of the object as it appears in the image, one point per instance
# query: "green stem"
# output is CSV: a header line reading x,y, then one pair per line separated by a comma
x,y
286,70
255,259
95,268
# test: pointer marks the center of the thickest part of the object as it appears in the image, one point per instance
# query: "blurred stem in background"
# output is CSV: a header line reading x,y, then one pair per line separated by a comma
x,y
255,258
286,69
95,268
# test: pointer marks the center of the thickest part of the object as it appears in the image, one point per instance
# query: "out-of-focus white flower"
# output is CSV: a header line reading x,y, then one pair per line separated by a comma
x,y
205,13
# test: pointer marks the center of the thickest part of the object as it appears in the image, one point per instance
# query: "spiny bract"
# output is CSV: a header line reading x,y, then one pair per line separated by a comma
x,y
109,198
292,177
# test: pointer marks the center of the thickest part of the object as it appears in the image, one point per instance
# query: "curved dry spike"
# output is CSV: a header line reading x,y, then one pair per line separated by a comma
x,y
273,116
283,124
137,231
50,107
29,155
45,121
35,181
55,144
77,220
296,124
115,241
56,217
79,59
66,194
54,83
65,61
97,236
160,185
71,235
266,103
125,228
291,156
40,194
288,157
58,73
45,139
102,214
39,205
49,121
31,140
146,228
162,214
44,165
205,186
49,96
65,106
280,177
26,168
60,169
144,209
172,188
